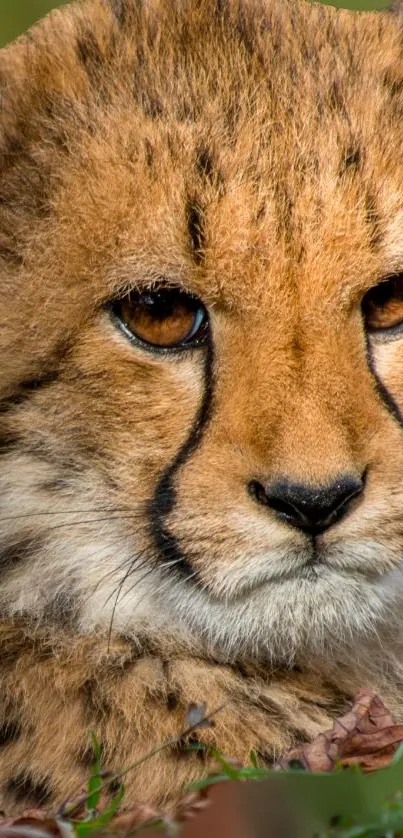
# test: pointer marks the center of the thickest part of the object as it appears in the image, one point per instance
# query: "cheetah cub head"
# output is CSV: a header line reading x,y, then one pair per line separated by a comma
x,y
201,323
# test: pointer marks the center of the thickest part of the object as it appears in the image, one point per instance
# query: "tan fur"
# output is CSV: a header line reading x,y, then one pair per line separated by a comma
x,y
278,125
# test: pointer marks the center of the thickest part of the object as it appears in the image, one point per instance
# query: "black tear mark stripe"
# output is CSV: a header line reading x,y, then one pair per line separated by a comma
x,y
352,159
383,392
25,788
164,499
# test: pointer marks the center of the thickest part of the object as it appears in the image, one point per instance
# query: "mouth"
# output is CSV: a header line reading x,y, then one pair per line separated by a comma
x,y
309,567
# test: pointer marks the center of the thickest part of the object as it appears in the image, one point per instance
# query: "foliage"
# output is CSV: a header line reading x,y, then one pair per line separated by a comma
x,y
340,803
18,15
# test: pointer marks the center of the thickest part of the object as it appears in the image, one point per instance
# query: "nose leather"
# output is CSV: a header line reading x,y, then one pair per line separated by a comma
x,y
309,508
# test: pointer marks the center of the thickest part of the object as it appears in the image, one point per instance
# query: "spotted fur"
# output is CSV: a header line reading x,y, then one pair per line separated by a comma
x,y
247,152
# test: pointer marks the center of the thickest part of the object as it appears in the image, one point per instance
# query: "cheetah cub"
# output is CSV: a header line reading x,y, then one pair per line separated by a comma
x,y
201,385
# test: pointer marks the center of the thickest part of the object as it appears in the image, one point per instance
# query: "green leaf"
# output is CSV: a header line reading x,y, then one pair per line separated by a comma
x,y
101,820
253,759
346,794
231,772
398,755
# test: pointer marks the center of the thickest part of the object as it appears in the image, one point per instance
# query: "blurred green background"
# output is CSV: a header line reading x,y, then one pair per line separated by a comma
x,y
18,15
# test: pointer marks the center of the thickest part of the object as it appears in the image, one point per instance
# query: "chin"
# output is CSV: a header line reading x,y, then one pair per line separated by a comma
x,y
318,611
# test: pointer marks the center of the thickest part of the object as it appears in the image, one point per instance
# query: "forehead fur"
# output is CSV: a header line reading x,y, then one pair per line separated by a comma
x,y
215,141
251,110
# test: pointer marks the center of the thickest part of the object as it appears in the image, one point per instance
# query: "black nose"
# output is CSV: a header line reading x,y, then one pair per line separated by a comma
x,y
312,509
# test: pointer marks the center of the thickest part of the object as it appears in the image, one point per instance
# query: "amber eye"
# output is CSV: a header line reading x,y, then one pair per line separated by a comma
x,y
166,318
382,306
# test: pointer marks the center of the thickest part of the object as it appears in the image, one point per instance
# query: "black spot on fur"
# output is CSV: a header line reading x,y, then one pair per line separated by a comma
x,y
115,785
23,175
351,159
25,789
195,224
186,110
245,28
40,381
8,253
60,112
298,736
90,56
88,51
149,153
25,388
172,701
151,105
285,210
86,757
8,440
394,85
336,98
207,170
265,758
120,11
55,484
10,731
96,706
61,609
14,552
231,118
204,163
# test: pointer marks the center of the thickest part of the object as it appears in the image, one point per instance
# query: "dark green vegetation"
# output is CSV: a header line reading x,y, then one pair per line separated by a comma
x,y
342,804
18,15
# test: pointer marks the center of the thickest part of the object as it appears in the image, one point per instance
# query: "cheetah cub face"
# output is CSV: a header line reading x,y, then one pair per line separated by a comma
x,y
201,323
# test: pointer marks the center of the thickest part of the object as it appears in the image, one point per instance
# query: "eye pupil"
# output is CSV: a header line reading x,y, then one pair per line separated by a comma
x,y
382,306
165,318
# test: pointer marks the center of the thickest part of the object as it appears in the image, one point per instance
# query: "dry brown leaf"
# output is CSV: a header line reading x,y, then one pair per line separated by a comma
x,y
367,735
38,826
191,805
134,817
